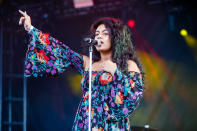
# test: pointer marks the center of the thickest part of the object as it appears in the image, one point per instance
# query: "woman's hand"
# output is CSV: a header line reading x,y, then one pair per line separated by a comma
x,y
109,66
25,20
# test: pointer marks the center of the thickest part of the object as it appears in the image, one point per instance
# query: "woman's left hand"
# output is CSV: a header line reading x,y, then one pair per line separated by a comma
x,y
109,66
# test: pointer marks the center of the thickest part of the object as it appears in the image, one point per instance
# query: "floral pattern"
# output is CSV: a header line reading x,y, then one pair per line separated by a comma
x,y
114,98
105,78
48,56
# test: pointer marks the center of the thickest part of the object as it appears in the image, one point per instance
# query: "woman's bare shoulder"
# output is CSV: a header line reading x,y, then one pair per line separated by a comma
x,y
132,66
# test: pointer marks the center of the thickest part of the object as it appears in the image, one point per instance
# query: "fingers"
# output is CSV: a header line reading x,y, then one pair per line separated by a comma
x,y
21,21
22,13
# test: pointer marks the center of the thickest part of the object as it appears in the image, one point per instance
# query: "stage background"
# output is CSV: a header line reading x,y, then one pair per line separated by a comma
x,y
169,60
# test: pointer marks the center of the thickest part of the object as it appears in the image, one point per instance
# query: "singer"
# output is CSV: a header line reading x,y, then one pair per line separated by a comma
x,y
117,76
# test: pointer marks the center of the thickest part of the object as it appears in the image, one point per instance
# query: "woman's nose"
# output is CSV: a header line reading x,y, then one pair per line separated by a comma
x,y
99,36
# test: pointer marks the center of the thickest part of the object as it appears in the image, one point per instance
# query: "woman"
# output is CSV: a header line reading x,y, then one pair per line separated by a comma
x,y
117,76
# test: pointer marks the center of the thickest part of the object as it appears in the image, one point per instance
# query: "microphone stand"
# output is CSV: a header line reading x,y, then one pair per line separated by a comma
x,y
90,83
91,43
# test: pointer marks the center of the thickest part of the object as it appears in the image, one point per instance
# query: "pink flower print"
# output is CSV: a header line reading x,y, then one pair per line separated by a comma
x,y
105,78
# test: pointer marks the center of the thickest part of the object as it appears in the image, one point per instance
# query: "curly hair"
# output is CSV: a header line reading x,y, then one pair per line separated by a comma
x,y
122,44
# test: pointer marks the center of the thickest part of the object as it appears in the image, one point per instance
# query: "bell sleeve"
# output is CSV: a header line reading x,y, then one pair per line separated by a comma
x,y
47,56
125,95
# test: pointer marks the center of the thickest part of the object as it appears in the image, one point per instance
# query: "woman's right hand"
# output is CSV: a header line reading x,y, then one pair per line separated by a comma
x,y
25,20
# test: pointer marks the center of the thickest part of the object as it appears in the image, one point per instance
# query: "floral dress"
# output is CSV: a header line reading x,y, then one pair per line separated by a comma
x,y
114,98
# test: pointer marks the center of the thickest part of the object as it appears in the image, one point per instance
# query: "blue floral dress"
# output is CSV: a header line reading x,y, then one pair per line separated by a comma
x,y
114,98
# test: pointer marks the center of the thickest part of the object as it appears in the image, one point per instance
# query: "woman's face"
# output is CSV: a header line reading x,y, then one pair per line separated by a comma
x,y
103,35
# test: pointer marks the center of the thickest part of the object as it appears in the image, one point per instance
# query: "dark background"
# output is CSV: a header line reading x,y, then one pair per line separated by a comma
x,y
169,61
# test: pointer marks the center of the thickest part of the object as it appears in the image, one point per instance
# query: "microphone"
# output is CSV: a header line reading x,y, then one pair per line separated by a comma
x,y
92,41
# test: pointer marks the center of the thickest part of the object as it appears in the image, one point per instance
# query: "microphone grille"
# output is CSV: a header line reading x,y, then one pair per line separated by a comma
x,y
87,40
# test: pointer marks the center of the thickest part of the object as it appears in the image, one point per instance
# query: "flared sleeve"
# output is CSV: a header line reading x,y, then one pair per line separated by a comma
x,y
46,56
125,95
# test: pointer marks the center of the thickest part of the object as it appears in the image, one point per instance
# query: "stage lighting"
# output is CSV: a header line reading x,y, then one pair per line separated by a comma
x,y
83,3
183,32
131,23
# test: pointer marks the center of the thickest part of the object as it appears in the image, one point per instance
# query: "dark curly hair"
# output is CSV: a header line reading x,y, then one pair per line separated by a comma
x,y
122,44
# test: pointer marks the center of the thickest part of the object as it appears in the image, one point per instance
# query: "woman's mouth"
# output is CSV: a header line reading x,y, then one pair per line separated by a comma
x,y
99,43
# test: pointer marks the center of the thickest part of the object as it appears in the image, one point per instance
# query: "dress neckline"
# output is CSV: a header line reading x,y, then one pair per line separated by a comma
x,y
94,71
106,71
